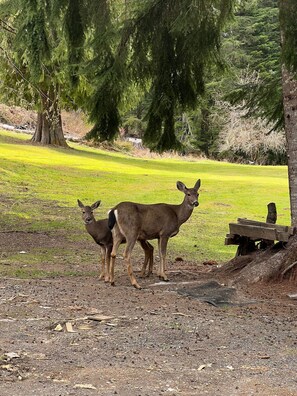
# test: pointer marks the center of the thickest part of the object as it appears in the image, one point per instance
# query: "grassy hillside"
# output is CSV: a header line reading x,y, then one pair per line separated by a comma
x,y
39,187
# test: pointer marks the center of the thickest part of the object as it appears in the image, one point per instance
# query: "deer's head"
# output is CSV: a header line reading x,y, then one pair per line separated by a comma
x,y
87,211
191,194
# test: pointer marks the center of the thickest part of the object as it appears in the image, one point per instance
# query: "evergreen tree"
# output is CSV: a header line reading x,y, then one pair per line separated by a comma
x,y
255,42
35,59
288,17
165,47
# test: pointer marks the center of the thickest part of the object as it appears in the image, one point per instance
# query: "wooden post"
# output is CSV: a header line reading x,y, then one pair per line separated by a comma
x,y
271,218
271,215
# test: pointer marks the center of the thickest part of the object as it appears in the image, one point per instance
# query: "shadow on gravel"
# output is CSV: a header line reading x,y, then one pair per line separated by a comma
x,y
213,293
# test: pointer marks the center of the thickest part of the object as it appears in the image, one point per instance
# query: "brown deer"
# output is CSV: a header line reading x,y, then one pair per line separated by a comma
x,y
159,221
101,233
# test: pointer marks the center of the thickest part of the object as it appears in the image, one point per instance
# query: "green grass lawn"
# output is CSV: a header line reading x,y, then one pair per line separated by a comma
x,y
38,184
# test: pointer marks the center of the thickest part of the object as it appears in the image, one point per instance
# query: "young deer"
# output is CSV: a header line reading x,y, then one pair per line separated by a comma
x,y
160,221
101,233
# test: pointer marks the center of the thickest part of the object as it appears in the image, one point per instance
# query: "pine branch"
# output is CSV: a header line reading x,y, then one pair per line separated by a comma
x,y
7,27
21,74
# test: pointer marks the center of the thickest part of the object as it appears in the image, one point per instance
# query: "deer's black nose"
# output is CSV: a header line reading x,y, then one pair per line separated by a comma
x,y
196,203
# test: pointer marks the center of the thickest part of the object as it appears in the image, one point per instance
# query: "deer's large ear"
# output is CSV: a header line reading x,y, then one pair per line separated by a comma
x,y
181,187
197,185
80,204
95,205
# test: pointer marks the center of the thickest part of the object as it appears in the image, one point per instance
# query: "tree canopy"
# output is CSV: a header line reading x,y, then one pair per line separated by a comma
x,y
165,48
257,35
105,56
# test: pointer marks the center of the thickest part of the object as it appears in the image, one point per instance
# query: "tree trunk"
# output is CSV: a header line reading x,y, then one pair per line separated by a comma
x,y
49,130
290,112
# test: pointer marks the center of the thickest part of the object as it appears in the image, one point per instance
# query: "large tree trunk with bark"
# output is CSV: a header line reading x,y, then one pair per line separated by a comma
x,y
276,263
290,112
49,130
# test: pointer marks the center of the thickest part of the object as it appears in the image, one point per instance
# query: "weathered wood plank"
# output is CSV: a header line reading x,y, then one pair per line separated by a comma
x,y
245,233
231,241
252,231
282,236
290,230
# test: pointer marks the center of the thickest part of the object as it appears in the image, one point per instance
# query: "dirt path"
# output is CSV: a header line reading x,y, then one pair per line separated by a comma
x,y
155,341
79,336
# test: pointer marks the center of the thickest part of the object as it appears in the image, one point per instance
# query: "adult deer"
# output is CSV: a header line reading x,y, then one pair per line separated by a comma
x,y
159,221
101,233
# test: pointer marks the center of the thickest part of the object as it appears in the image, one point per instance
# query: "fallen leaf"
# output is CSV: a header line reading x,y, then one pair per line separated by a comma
x,y
93,311
12,355
181,314
293,296
58,327
60,380
171,390
85,386
7,367
85,327
7,320
69,327
210,262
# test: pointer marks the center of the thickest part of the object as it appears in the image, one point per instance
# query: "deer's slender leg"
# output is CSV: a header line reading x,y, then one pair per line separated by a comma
x,y
162,250
150,252
144,266
102,274
159,266
117,239
127,255
107,263
148,258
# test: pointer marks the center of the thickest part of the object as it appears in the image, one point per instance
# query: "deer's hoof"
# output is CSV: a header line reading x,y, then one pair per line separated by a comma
x,y
136,285
163,278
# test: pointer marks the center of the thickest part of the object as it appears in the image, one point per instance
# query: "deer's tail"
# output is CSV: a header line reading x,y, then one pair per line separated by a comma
x,y
111,219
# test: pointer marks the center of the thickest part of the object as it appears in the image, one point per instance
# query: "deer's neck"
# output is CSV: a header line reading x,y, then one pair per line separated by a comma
x,y
184,211
91,228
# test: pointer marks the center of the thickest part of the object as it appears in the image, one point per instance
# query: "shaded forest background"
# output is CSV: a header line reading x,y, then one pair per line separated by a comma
x,y
238,117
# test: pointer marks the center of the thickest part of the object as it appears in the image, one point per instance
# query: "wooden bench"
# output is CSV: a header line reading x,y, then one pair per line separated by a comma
x,y
245,233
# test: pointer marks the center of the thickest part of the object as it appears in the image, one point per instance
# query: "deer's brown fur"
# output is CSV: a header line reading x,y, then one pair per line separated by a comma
x,y
102,235
141,222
